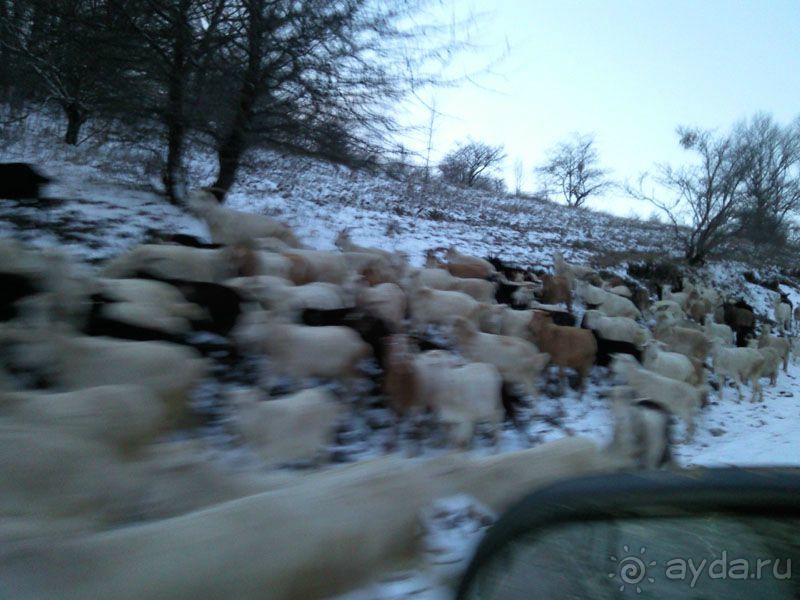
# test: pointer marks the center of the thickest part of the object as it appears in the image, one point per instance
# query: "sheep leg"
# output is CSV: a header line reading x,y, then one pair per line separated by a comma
x,y
738,383
721,382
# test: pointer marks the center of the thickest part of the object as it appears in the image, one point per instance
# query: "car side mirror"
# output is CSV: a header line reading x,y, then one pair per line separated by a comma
x,y
698,533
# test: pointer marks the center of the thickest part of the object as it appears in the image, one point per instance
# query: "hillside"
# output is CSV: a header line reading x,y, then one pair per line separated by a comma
x,y
96,211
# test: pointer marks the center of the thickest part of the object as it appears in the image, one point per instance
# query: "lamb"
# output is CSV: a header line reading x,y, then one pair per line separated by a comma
x,y
303,351
294,427
783,314
439,307
610,304
670,364
308,266
679,397
228,226
718,331
781,344
463,265
567,346
517,360
124,417
738,364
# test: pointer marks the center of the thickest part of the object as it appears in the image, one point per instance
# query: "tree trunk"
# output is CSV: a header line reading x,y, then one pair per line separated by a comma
x,y
76,117
234,143
175,119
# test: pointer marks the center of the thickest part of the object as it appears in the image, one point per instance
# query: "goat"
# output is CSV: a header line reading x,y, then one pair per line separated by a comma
x,y
738,364
463,265
567,346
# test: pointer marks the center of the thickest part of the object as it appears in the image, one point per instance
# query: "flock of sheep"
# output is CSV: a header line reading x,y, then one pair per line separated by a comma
x,y
97,364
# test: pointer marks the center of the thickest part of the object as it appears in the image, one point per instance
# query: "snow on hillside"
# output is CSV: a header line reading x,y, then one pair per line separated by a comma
x,y
97,213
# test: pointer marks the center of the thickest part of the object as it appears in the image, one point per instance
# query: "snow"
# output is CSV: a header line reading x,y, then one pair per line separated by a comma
x,y
101,211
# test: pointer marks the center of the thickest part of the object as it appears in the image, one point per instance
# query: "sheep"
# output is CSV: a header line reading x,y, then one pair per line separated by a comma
x,y
318,295
555,289
557,313
670,364
679,397
619,290
772,361
567,346
308,266
781,344
718,331
438,279
440,307
515,294
386,300
395,262
783,314
148,291
294,427
368,511
124,416
300,350
610,304
517,360
228,226
689,342
171,262
738,364
106,316
463,265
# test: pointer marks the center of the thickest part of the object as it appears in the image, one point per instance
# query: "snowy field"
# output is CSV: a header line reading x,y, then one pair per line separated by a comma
x,y
96,214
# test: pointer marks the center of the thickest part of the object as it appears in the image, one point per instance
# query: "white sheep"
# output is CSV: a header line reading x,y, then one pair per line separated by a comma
x,y
689,342
518,361
150,292
642,428
480,289
300,350
740,364
669,364
680,298
572,272
618,329
429,306
228,226
679,397
295,427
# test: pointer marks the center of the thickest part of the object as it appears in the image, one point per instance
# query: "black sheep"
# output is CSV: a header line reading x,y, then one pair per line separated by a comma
x,y
20,181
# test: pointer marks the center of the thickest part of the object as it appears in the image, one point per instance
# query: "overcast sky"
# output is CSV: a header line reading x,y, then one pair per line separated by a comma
x,y
628,70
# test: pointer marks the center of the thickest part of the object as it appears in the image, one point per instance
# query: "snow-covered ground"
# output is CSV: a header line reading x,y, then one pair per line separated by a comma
x,y
97,213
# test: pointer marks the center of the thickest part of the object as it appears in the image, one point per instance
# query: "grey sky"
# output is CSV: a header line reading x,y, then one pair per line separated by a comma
x,y
629,71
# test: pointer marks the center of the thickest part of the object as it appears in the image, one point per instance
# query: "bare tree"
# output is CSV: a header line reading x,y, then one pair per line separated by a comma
x,y
707,194
571,169
772,183
470,162
519,176
429,145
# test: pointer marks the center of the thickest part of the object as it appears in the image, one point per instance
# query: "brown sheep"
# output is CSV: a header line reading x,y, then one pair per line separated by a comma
x,y
571,347
462,265
555,289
